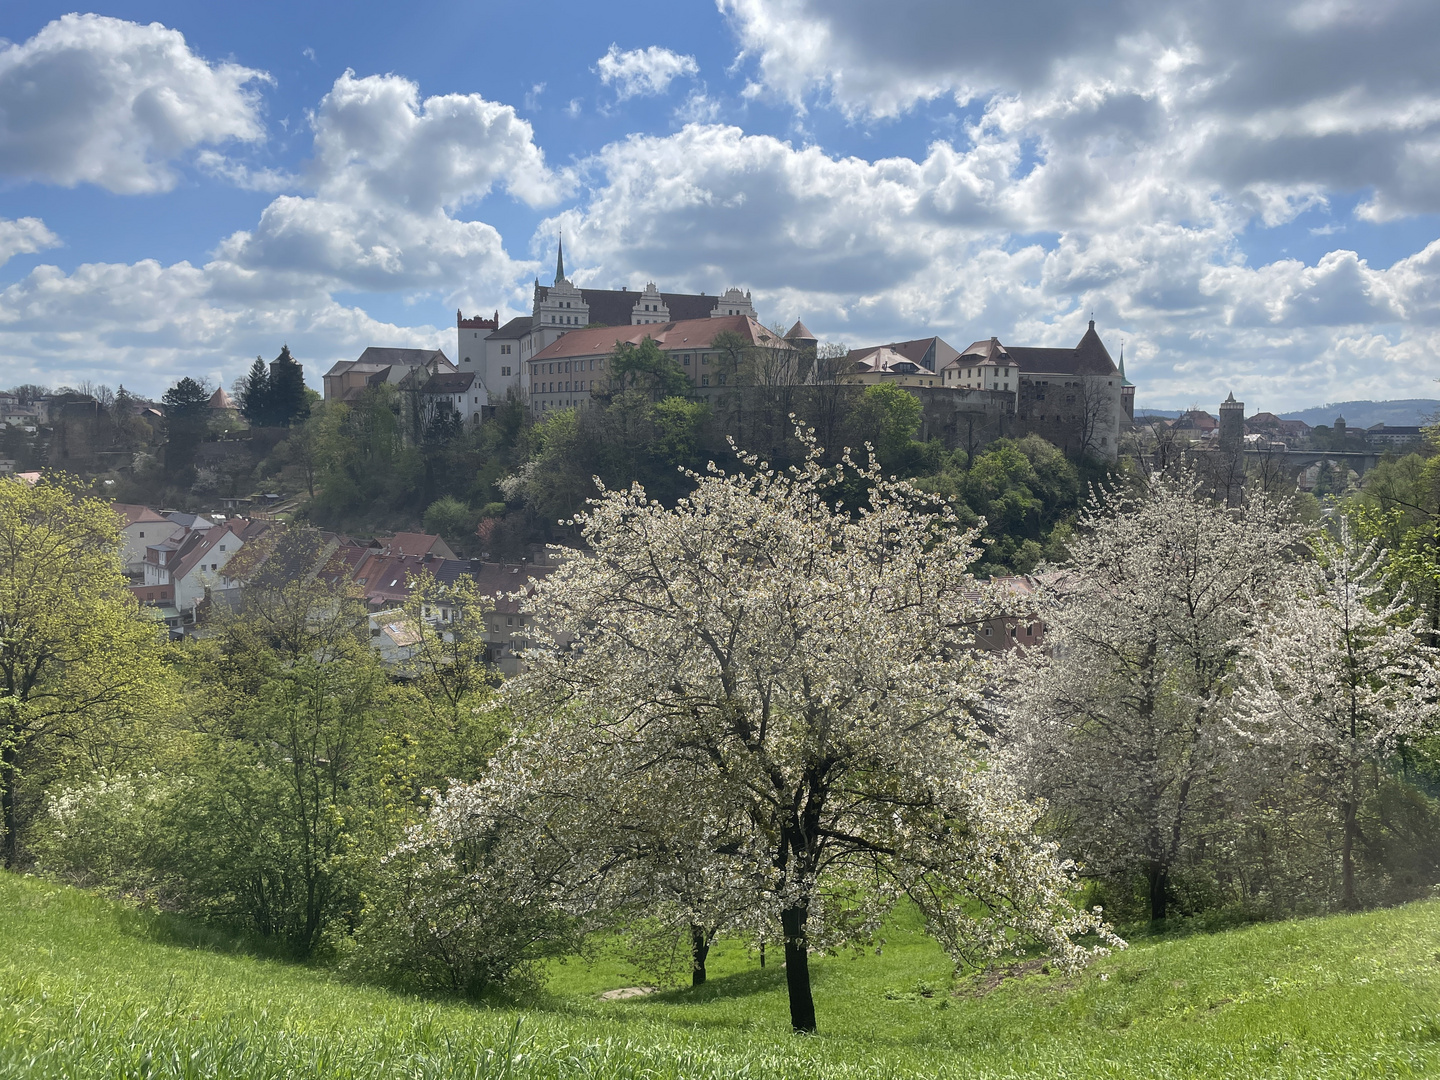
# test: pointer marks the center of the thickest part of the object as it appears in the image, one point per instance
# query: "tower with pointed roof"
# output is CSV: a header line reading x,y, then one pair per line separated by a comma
x,y
1232,423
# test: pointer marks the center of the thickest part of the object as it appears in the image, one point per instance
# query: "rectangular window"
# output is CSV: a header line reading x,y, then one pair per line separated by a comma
x,y
704,358
704,380
722,378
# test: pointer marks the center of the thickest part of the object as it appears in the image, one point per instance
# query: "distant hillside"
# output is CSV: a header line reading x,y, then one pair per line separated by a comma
x,y
1402,413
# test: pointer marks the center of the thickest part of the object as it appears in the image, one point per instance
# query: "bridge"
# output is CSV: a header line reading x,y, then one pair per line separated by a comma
x,y
1361,461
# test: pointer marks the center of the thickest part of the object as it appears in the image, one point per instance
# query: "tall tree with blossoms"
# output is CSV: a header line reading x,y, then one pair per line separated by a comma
x,y
1121,723
1338,676
762,711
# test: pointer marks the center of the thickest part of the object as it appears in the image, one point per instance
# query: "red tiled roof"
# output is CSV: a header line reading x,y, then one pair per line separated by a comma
x,y
133,513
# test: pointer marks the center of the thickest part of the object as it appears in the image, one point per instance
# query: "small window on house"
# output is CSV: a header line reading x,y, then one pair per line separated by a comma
x,y
1029,631
1012,632
222,547
509,620
142,536
986,631
704,380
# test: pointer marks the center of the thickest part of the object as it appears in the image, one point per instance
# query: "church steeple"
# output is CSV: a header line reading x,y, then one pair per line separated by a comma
x,y
560,261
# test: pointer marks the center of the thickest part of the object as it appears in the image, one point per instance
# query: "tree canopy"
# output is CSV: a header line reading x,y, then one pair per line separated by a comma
x,y
761,712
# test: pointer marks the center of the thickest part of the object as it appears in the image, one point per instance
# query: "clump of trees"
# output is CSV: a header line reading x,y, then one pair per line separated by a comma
x,y
756,708
1229,710
274,396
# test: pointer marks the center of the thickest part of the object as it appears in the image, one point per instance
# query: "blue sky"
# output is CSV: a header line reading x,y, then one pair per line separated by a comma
x,y
1248,198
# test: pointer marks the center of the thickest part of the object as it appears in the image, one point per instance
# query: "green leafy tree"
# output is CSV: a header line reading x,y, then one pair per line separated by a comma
x,y
645,367
78,661
276,829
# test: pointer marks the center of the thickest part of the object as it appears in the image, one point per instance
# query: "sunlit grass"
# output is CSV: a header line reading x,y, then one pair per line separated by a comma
x,y
91,990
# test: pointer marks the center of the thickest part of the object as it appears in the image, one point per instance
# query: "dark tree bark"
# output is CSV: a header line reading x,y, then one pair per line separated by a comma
x,y
8,759
1348,899
797,970
1158,875
699,950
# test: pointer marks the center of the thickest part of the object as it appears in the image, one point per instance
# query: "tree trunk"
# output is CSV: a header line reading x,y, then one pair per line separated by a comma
x,y
1158,876
8,759
762,955
1348,900
797,970
699,950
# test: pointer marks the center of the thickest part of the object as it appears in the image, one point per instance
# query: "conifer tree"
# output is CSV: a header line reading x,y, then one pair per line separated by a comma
x,y
288,401
254,396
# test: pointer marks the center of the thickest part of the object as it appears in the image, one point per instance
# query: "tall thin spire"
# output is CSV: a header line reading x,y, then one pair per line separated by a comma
x,y
560,260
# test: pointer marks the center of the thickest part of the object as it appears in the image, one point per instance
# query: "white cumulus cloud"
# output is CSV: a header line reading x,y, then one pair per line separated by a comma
x,y
24,237
93,99
966,243
640,72
390,174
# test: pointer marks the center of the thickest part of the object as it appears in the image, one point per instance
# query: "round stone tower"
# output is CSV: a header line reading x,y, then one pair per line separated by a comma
x,y
1232,423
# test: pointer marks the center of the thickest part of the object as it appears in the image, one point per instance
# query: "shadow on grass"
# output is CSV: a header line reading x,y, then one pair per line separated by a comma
x,y
185,932
737,985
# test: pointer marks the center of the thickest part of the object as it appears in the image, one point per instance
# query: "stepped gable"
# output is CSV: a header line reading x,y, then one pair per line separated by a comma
x,y
681,334
614,307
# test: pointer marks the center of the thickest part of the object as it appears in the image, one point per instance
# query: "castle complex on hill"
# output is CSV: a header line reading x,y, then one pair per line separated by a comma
x,y
555,358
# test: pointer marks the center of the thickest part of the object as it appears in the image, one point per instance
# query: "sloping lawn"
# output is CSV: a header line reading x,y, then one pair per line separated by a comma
x,y
90,989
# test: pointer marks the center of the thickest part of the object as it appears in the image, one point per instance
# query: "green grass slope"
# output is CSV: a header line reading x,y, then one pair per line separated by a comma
x,y
88,989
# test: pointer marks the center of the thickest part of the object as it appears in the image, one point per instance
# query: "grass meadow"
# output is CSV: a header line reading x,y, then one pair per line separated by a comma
x,y
90,989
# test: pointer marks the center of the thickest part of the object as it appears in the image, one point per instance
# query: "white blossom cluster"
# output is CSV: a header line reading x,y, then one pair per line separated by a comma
x,y
1338,675
760,712
1123,723
1183,637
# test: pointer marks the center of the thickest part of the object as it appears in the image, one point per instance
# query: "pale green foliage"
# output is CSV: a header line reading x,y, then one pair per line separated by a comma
x,y
79,663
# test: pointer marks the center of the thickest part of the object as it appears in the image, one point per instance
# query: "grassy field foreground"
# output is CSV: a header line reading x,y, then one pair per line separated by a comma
x,y
88,989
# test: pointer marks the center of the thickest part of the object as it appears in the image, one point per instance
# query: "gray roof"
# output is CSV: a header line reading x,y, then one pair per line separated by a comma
x,y
403,357
448,382
1090,357
516,328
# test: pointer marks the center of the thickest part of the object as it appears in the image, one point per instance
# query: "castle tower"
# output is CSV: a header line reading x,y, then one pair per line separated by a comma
x,y
1232,423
